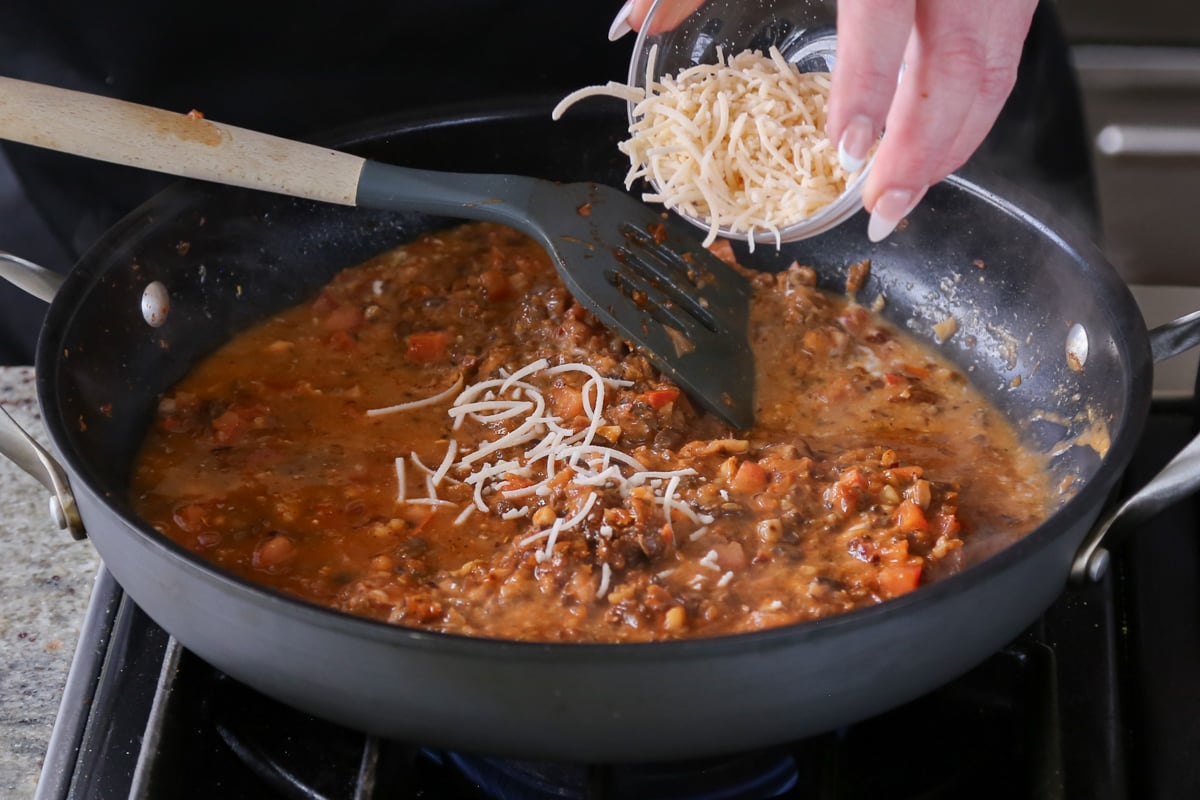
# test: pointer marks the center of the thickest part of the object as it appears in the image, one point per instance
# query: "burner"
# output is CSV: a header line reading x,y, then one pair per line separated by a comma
x,y
299,756
752,776
985,735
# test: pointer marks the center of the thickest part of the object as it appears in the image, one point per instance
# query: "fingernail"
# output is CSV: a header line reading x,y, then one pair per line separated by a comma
x,y
891,207
620,24
855,143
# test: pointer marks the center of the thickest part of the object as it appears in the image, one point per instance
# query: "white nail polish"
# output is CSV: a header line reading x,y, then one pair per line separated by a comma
x,y
880,227
855,144
891,207
848,162
620,24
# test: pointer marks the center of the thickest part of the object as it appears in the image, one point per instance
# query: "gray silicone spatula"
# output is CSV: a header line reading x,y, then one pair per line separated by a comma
x,y
641,274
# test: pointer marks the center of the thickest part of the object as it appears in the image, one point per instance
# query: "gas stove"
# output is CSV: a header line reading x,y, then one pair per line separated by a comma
x,y
1098,699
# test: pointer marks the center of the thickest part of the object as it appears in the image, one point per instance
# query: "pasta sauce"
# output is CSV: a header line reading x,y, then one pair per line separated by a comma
x,y
444,439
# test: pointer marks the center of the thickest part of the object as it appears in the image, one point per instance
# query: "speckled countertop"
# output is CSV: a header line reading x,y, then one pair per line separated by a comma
x,y
45,582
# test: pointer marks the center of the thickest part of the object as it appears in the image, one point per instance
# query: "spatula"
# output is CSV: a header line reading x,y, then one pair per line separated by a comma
x,y
641,273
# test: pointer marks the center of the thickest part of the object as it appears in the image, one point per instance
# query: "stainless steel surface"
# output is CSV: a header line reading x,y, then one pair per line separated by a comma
x,y
1175,377
1142,107
1148,141
1176,337
24,451
1142,101
1177,480
28,276
17,445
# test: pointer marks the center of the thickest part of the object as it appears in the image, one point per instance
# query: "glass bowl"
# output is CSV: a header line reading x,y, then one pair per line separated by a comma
x,y
804,31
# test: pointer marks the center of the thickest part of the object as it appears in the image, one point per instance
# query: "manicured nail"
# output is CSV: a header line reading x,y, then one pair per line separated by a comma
x,y
855,143
891,207
620,24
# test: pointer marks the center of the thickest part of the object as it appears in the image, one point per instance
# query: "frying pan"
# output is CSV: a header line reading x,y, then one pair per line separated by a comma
x,y
1045,327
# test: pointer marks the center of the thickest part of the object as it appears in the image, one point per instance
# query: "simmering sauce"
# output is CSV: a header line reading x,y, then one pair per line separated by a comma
x,y
444,439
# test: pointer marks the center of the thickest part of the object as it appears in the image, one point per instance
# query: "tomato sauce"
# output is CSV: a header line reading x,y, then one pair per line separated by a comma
x,y
444,439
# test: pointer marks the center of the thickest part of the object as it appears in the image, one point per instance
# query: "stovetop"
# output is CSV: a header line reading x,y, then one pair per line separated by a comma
x,y
1099,699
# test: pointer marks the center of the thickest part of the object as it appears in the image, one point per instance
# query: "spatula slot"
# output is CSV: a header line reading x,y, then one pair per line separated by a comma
x,y
659,305
655,267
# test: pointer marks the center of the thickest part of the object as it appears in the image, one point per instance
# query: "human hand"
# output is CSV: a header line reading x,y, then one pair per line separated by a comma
x,y
633,14
960,62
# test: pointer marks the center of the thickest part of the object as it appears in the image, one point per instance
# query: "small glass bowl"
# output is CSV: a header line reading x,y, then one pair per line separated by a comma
x,y
805,33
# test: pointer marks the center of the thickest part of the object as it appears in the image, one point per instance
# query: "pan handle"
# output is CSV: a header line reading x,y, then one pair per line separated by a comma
x,y
1177,480
24,451
17,445
29,277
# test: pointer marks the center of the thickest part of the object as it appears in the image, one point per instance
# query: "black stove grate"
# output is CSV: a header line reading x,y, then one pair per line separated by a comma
x,y
1099,699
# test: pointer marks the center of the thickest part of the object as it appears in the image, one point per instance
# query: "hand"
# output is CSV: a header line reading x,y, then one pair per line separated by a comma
x,y
960,63
633,14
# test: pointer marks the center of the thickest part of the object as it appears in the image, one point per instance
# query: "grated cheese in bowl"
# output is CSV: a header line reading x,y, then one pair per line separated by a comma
x,y
737,147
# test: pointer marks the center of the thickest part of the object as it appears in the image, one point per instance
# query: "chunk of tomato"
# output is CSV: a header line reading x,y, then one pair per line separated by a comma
x,y
659,398
899,579
749,478
910,518
427,347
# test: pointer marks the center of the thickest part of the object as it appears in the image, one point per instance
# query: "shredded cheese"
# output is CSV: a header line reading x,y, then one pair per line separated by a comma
x,y
551,540
739,144
428,401
522,440
400,480
534,537
451,450
605,577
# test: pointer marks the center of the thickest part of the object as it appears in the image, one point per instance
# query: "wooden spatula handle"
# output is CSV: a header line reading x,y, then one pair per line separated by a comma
x,y
179,144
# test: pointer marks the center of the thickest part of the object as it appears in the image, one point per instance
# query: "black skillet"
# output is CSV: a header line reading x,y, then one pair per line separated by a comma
x,y
1040,293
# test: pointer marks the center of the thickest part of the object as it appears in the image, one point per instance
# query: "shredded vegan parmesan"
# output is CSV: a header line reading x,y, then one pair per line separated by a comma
x,y
428,401
400,479
739,144
536,447
710,561
605,577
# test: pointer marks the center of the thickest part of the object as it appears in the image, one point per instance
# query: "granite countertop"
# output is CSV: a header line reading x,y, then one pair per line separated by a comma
x,y
44,589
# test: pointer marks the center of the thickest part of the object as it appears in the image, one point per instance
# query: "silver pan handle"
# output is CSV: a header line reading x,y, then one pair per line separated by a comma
x,y
24,451
1177,480
29,277
17,445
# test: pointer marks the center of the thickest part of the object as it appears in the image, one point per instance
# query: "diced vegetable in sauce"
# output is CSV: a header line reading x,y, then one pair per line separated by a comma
x,y
522,474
